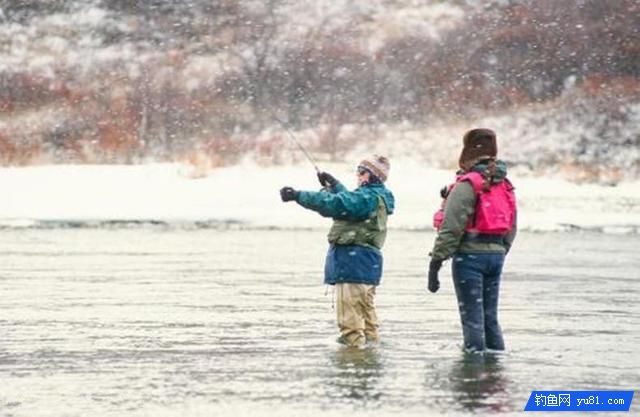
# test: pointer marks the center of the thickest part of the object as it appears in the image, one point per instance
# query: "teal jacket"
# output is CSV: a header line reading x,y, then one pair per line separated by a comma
x,y
350,263
342,204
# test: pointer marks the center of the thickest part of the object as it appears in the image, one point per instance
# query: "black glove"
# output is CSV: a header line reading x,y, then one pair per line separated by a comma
x,y
288,194
444,192
434,267
327,180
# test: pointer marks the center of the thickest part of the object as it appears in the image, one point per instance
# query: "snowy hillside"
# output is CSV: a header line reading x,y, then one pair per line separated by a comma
x,y
96,81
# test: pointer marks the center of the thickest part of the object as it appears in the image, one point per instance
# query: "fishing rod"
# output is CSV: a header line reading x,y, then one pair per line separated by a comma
x,y
304,151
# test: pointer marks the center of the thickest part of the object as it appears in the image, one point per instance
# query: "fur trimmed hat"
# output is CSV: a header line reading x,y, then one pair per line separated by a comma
x,y
377,165
478,144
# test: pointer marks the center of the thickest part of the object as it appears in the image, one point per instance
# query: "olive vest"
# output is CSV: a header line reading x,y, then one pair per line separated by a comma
x,y
370,232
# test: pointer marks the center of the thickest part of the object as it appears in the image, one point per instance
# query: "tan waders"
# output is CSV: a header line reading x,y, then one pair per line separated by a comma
x,y
357,314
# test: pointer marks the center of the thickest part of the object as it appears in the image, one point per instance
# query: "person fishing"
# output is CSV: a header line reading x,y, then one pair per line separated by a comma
x,y
476,227
354,259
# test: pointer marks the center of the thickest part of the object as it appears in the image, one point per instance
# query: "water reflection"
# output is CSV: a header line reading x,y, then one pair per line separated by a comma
x,y
478,382
356,374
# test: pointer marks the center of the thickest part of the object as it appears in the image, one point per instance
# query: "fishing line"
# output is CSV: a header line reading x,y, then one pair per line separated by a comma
x,y
293,138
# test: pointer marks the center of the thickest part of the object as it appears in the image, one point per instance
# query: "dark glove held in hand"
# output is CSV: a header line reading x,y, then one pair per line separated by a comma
x,y
326,179
434,268
288,194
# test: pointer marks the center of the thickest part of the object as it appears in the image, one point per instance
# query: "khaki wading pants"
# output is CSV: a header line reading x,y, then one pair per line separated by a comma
x,y
357,317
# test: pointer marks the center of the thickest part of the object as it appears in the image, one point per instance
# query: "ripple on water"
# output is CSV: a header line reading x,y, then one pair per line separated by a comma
x,y
205,323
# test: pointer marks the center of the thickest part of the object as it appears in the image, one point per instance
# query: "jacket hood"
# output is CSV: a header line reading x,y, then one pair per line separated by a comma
x,y
382,191
483,168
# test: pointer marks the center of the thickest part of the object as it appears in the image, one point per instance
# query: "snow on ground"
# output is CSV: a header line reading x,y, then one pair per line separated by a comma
x,y
248,194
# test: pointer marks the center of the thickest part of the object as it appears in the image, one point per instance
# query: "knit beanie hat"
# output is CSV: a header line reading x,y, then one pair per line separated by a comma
x,y
478,144
377,165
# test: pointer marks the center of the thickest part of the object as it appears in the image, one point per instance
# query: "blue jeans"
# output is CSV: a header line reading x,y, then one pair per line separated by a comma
x,y
476,278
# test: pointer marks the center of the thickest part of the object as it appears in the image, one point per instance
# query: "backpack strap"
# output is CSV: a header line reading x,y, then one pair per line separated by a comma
x,y
476,179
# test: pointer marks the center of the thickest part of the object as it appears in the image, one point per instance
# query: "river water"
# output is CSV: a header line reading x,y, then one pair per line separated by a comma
x,y
164,321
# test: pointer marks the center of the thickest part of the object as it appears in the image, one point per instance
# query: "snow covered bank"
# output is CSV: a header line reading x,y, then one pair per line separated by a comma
x,y
248,194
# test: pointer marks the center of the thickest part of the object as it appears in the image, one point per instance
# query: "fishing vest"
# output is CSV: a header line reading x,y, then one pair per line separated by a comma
x,y
495,208
370,232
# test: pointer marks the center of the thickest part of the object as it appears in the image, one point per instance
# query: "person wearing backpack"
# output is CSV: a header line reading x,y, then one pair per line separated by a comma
x,y
476,228
354,260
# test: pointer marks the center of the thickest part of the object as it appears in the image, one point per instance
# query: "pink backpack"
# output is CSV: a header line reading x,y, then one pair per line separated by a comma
x,y
495,209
